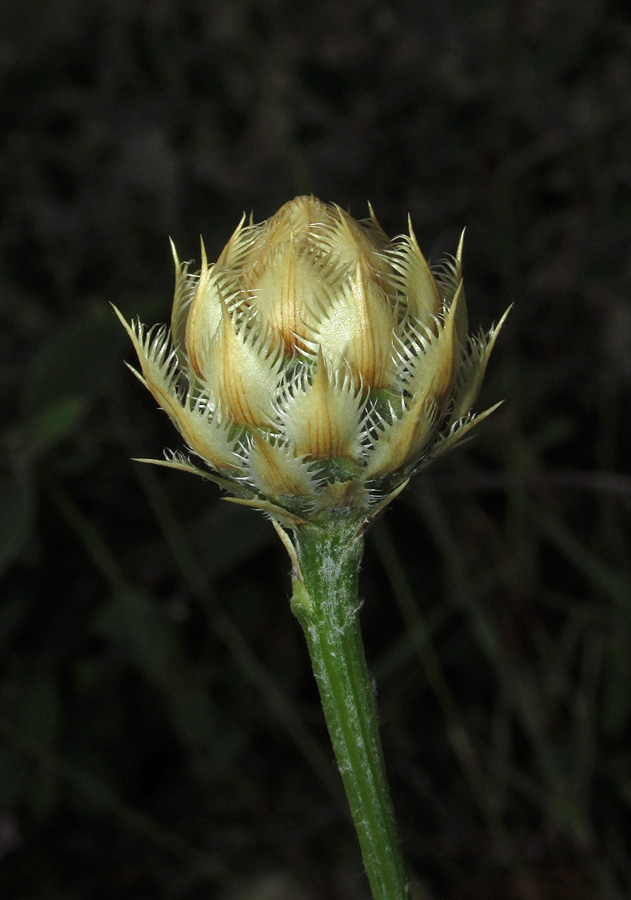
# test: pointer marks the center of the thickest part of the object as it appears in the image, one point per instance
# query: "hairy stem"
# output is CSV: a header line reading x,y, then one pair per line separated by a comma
x,y
325,601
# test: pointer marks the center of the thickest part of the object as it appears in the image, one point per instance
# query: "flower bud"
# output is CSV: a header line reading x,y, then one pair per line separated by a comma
x,y
317,364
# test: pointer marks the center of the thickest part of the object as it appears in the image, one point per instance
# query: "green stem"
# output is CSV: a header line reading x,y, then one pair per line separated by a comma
x,y
325,601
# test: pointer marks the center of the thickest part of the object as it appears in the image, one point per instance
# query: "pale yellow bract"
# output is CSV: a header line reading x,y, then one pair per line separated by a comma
x,y
317,364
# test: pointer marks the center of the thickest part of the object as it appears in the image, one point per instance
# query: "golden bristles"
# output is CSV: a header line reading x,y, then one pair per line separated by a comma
x,y
317,364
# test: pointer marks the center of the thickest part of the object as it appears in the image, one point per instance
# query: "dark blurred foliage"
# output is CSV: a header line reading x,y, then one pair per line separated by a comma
x,y
160,734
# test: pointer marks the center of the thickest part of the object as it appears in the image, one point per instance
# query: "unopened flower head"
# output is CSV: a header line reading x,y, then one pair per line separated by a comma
x,y
317,364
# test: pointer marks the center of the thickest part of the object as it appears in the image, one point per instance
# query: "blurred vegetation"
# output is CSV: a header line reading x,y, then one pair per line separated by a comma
x,y
160,734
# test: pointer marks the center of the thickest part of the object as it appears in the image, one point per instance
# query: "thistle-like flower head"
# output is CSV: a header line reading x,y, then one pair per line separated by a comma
x,y
317,365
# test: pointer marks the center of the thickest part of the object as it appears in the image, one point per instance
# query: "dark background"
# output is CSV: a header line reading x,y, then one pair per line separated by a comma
x,y
160,734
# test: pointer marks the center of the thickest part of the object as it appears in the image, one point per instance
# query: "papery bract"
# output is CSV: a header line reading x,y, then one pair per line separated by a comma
x,y
317,364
